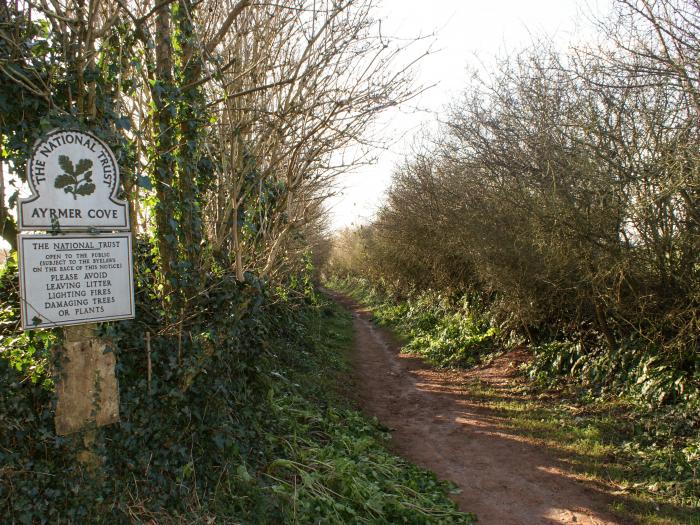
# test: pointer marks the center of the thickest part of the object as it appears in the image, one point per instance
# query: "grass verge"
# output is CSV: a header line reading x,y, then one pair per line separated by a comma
x,y
607,441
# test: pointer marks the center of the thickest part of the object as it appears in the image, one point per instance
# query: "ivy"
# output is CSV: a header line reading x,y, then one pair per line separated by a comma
x,y
211,431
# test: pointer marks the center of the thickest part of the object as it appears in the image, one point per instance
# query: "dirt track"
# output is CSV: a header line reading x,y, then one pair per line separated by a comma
x,y
504,478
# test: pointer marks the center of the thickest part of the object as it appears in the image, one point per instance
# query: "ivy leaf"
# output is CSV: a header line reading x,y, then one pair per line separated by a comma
x,y
45,124
85,189
123,123
63,180
66,164
83,165
242,473
145,182
13,197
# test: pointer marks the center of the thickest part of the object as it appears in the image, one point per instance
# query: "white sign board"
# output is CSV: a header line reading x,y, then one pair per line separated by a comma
x,y
75,279
74,180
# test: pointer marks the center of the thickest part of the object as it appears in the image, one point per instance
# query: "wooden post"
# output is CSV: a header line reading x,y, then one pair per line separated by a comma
x,y
87,388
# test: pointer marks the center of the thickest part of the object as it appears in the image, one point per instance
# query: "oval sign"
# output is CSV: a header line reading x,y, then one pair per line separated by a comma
x,y
74,180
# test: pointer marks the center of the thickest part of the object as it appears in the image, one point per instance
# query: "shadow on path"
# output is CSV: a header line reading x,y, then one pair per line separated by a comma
x,y
504,478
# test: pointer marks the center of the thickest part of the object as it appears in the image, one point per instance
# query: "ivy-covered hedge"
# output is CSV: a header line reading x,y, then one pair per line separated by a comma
x,y
177,435
236,424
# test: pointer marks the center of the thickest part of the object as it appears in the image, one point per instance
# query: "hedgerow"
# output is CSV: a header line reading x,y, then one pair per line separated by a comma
x,y
234,425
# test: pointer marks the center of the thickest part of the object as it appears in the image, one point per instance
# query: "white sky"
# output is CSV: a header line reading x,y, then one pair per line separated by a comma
x,y
469,34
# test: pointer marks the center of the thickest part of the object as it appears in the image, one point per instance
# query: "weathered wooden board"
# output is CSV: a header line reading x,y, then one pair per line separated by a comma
x,y
87,387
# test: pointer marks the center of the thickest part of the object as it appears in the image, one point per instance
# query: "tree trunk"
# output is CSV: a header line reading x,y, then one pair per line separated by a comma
x,y
188,151
164,162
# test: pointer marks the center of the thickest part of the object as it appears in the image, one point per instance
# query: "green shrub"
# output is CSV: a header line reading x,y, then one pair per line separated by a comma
x,y
633,369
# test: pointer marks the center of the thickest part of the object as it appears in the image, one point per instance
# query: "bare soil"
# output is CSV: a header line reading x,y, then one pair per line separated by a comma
x,y
504,478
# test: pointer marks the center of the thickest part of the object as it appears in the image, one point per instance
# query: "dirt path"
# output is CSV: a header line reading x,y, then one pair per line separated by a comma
x,y
504,478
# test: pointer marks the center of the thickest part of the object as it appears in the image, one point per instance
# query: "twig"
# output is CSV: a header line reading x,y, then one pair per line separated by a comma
x,y
148,359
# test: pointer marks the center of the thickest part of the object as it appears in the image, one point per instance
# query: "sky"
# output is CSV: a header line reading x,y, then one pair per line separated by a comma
x,y
468,34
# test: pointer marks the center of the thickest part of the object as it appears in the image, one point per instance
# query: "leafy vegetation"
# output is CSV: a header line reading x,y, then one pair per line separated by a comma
x,y
445,331
338,470
254,435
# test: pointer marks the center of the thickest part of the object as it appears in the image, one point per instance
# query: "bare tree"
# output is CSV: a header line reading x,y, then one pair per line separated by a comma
x,y
286,114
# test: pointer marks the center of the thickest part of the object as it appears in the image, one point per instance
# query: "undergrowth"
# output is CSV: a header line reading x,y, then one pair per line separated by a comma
x,y
447,332
630,368
334,467
239,423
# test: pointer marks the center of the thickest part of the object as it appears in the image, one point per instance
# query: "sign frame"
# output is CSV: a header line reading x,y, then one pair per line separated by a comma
x,y
24,277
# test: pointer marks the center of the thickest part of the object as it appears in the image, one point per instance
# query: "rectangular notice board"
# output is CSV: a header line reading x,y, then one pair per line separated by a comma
x,y
75,279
